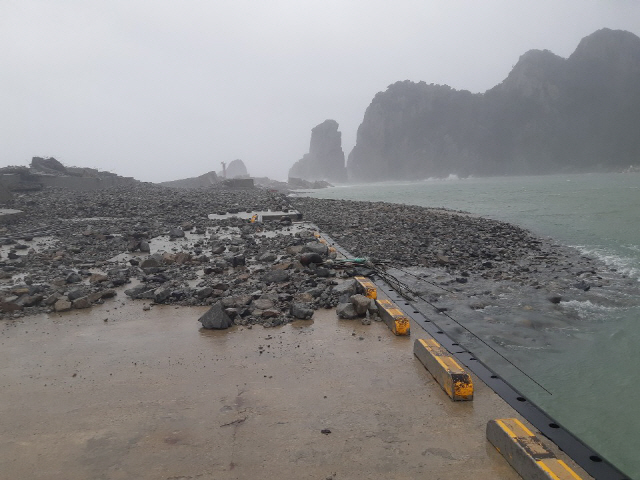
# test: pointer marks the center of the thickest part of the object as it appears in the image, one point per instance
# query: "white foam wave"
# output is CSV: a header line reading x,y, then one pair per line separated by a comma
x,y
587,306
451,178
626,265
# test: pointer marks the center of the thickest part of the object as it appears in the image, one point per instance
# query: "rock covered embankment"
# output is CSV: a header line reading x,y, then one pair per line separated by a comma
x,y
407,235
456,243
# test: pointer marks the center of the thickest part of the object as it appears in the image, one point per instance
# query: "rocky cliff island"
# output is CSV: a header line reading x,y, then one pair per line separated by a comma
x,y
550,115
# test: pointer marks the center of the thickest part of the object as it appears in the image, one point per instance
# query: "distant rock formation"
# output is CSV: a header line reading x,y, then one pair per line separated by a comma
x,y
237,169
325,160
48,165
49,172
205,180
549,115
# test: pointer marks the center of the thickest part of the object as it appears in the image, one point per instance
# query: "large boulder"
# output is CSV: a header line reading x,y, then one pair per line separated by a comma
x,y
216,318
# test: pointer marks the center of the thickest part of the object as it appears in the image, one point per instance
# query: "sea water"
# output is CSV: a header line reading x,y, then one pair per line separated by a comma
x,y
593,383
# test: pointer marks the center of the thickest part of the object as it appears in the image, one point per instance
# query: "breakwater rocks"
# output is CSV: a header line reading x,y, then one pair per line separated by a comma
x,y
72,250
514,290
406,235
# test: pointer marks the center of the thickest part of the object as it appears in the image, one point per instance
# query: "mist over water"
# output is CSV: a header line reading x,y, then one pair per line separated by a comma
x,y
592,376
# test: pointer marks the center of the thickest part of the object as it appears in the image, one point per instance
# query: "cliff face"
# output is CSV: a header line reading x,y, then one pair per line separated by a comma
x,y
549,115
325,160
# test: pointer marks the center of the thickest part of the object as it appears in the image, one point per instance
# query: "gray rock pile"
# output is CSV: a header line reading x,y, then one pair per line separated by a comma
x,y
73,250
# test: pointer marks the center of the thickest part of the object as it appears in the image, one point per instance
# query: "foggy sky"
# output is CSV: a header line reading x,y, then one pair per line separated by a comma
x,y
161,90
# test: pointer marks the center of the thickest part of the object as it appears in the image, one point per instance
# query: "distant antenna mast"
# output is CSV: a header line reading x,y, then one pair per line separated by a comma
x,y
224,169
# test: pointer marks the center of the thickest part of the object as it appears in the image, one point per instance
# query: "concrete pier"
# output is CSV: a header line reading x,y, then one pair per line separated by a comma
x,y
126,393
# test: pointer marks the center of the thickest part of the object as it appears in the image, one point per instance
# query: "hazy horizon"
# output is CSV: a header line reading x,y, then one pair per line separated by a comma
x,y
161,91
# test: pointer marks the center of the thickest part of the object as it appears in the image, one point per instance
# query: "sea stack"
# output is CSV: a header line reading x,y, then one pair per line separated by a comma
x,y
325,160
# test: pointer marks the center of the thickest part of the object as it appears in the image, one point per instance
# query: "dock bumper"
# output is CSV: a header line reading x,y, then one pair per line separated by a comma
x,y
453,379
525,453
367,287
397,321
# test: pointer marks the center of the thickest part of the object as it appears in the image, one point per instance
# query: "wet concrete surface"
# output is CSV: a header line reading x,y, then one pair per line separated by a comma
x,y
120,393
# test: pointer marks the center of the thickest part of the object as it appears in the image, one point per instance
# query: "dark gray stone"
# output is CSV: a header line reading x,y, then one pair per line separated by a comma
x,y
301,311
346,311
216,318
348,287
176,233
275,276
137,291
315,247
160,294
267,257
73,278
360,303
75,294
263,303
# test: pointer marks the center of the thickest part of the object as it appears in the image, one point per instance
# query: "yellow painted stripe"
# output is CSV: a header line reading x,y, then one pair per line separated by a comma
x,y
523,427
441,354
506,429
544,467
568,469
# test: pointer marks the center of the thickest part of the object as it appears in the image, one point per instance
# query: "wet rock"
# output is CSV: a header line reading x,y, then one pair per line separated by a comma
x,y
301,311
176,233
73,278
51,299
360,303
348,287
31,300
275,276
270,313
137,291
346,311
10,306
98,278
216,318
555,298
82,302
75,294
62,305
267,257
307,258
150,262
204,292
161,294
315,247
263,304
